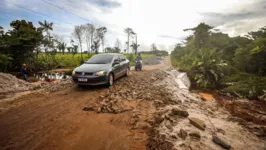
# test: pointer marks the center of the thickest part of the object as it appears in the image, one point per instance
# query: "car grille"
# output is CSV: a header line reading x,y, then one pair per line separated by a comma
x,y
86,73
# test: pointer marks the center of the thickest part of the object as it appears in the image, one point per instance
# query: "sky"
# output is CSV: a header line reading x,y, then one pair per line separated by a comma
x,y
155,21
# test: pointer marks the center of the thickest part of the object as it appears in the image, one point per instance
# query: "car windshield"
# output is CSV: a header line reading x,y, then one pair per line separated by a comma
x,y
100,59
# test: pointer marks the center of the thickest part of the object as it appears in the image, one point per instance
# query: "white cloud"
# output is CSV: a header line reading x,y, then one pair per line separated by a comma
x,y
155,21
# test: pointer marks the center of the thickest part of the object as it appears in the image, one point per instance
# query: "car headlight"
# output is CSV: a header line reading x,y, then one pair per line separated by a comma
x,y
100,73
73,72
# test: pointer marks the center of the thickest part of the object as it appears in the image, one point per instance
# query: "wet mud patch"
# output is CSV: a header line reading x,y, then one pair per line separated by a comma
x,y
194,122
249,113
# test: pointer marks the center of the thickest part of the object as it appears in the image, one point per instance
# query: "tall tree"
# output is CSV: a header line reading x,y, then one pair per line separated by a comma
x,y
92,33
46,27
101,33
117,46
19,43
153,47
129,33
201,34
1,30
62,47
89,33
95,46
47,42
78,34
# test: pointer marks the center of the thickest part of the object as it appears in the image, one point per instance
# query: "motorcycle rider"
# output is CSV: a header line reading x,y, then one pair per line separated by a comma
x,y
139,59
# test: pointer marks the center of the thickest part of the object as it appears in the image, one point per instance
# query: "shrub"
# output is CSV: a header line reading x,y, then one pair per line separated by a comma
x,y
245,85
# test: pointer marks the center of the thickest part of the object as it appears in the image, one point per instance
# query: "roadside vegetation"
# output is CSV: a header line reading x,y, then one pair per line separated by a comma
x,y
42,50
213,60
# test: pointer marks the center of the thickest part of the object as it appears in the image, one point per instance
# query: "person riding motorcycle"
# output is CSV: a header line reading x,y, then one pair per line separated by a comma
x,y
139,57
138,65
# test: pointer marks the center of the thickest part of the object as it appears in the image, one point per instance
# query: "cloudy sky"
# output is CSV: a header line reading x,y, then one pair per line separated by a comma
x,y
155,21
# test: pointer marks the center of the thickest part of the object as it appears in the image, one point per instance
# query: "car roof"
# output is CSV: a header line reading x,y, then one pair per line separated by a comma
x,y
110,54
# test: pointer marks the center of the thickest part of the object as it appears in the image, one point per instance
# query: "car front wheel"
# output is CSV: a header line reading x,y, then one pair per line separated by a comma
x,y
127,72
110,80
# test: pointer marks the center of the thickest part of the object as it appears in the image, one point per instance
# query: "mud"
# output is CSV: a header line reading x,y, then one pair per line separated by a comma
x,y
151,61
10,85
52,118
146,110
218,120
249,113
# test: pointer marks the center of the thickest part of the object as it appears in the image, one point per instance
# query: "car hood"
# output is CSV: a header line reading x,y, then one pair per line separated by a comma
x,y
92,68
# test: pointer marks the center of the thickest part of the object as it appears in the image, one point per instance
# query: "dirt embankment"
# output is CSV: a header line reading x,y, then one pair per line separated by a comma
x,y
11,84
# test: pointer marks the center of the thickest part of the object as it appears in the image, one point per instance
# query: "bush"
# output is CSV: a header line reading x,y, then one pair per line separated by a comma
x,y
245,85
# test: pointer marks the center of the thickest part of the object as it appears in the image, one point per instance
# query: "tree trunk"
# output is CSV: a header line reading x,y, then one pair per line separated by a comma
x,y
91,41
90,47
81,50
128,42
136,51
87,42
103,46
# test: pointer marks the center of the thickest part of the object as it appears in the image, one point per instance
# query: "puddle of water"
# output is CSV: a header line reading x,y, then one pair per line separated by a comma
x,y
206,96
51,75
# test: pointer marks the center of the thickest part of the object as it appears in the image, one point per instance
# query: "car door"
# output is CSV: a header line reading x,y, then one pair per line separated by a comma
x,y
123,64
116,67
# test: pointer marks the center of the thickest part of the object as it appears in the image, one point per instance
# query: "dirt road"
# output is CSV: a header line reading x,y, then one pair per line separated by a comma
x,y
146,110
57,121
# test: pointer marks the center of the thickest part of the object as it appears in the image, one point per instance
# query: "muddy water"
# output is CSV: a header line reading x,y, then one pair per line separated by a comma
x,y
52,75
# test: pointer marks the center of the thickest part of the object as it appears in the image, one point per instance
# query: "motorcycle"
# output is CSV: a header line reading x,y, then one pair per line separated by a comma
x,y
138,65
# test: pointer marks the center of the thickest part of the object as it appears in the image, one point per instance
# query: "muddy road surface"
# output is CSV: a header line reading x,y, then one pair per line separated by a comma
x,y
151,109
44,120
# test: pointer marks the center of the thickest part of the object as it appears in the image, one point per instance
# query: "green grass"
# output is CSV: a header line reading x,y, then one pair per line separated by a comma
x,y
67,60
132,57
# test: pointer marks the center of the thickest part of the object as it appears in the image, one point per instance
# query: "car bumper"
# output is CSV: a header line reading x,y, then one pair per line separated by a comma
x,y
91,80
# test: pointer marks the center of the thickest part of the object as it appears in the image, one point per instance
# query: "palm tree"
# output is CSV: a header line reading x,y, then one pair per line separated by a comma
x,y
46,26
129,32
95,46
62,47
135,47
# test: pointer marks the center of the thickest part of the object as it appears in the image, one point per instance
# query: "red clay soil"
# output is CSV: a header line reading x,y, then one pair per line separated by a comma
x,y
249,110
57,121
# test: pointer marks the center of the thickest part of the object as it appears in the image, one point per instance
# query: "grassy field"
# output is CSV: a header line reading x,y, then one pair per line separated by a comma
x,y
68,60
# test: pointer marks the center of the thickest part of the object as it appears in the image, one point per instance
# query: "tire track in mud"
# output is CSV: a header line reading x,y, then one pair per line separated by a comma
x,y
47,118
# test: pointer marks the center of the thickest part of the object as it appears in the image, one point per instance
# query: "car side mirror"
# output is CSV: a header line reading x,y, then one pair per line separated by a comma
x,y
116,62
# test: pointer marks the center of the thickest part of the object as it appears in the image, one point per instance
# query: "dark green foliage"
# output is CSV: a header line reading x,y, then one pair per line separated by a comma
x,y
112,50
246,85
215,60
19,44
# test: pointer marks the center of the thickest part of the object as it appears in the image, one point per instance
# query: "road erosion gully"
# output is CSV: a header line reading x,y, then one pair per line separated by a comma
x,y
195,123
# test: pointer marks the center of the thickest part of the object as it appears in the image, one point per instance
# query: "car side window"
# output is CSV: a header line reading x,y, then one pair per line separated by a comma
x,y
122,58
116,58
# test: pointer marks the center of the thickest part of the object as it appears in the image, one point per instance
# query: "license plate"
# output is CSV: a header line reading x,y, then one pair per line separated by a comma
x,y
82,79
